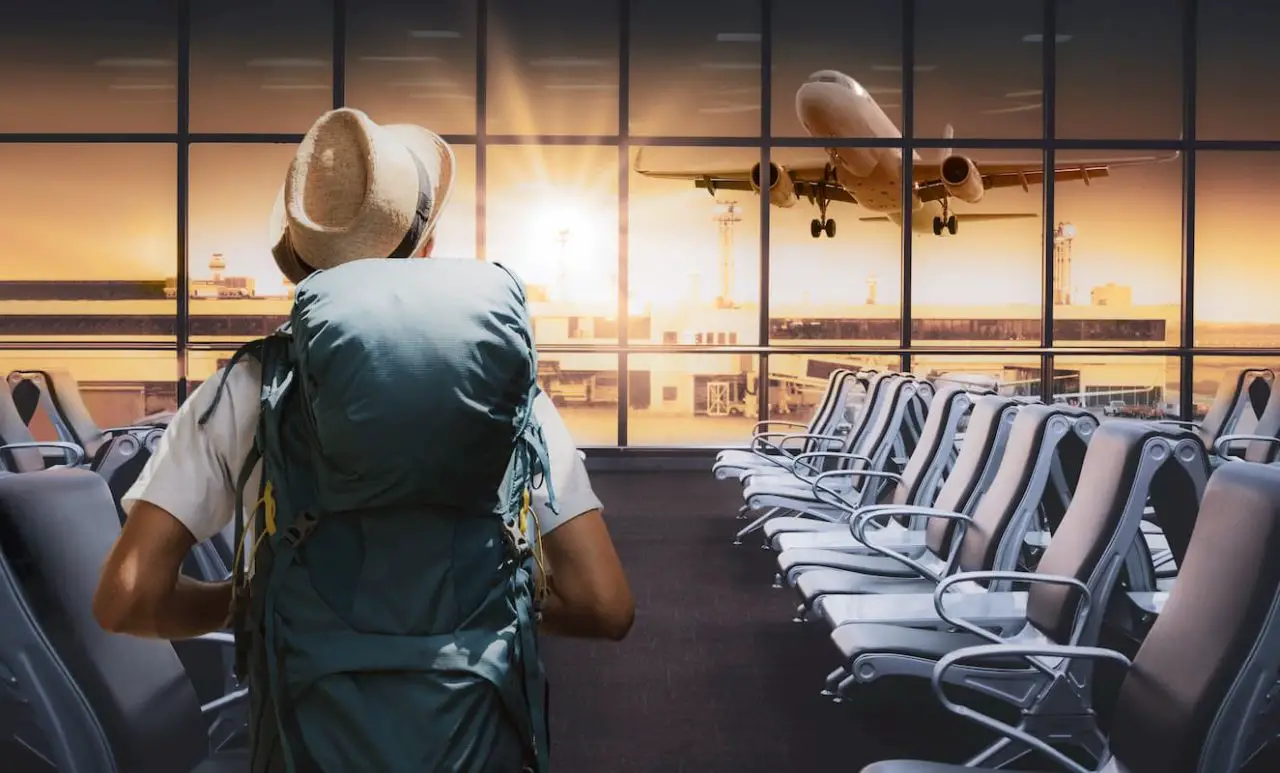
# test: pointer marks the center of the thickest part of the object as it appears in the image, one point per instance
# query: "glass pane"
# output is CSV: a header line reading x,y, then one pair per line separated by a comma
x,y
691,399
979,67
413,62
1208,373
553,67
1117,249
981,285
118,387
90,235
798,382
1119,70
843,289
89,66
694,259
552,217
862,40
1118,386
260,65
236,290
1236,271
584,386
695,68
1237,92
1008,374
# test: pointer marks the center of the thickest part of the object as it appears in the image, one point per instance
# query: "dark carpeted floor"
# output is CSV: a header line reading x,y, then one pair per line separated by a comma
x,y
715,676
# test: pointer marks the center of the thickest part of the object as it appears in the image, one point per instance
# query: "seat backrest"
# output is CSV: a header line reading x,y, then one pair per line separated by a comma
x,y
1018,487
937,439
95,689
874,401
975,467
122,457
1120,471
14,430
1232,398
71,414
26,396
1268,426
1210,658
876,438
831,411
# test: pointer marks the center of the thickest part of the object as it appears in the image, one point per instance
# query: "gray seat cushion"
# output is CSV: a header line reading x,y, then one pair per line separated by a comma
x,y
834,582
879,566
858,639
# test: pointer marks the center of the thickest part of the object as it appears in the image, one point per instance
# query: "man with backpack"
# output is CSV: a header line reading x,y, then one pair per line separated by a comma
x,y
408,506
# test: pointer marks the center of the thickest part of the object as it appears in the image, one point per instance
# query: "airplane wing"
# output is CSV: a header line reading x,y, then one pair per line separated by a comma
x,y
807,179
928,175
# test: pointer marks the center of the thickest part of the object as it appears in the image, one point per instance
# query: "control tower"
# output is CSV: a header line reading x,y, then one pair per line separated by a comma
x,y
217,264
727,217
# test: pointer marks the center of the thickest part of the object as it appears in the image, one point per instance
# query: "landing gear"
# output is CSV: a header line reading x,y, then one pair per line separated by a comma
x,y
821,223
818,226
947,221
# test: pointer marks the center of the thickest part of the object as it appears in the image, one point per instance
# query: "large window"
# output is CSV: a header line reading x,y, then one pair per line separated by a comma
x,y
710,203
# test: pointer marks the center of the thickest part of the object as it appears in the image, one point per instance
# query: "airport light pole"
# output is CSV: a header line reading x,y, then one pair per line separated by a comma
x,y
727,217
1062,237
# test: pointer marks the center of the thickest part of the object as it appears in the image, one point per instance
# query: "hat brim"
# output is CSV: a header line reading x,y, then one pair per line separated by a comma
x,y
437,158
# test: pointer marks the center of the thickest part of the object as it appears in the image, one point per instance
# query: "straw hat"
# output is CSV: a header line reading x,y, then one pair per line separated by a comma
x,y
359,190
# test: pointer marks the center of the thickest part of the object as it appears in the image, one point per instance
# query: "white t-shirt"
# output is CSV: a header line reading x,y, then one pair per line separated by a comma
x,y
194,469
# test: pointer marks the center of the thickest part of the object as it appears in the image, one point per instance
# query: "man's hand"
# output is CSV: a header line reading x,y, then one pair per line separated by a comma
x,y
142,592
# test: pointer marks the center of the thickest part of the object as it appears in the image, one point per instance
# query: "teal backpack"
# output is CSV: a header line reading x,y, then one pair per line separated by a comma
x,y
388,623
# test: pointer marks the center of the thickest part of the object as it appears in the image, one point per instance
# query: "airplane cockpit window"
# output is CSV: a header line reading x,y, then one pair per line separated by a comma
x,y
830,77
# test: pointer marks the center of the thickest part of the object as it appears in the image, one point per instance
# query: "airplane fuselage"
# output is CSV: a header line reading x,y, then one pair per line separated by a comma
x,y
831,105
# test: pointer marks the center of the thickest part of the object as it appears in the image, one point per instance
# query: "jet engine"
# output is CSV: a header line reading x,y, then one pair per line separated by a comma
x,y
961,179
782,189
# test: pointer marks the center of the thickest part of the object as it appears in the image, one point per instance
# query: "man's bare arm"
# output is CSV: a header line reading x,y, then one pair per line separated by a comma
x,y
590,597
142,591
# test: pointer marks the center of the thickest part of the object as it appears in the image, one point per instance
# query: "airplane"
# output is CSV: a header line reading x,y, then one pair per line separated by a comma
x,y
832,105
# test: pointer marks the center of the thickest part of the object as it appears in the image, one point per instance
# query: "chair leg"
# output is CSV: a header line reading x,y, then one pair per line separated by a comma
x,y
833,681
754,525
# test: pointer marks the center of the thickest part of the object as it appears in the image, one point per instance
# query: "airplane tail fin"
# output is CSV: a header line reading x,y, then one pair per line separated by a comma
x,y
948,133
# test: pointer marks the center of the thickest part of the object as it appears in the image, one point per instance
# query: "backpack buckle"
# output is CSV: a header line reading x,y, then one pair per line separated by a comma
x,y
300,529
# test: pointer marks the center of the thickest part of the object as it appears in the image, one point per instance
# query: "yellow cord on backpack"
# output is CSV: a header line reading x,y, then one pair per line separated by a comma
x,y
542,586
268,503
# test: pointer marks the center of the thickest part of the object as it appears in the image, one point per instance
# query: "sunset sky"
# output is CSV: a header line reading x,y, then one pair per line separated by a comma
x,y
109,211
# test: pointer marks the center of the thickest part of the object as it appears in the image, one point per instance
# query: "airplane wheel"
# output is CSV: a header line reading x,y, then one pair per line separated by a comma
x,y
815,228
937,226
952,225
831,229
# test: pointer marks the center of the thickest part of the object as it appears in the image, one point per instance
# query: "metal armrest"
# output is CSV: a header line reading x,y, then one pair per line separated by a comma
x,y
840,503
830,455
858,528
759,425
73,452
759,442
1029,577
1031,652
230,699
216,637
1219,446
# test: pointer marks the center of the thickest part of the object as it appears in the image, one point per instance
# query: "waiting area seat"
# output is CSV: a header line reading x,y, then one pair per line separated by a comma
x,y
1197,697
102,702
